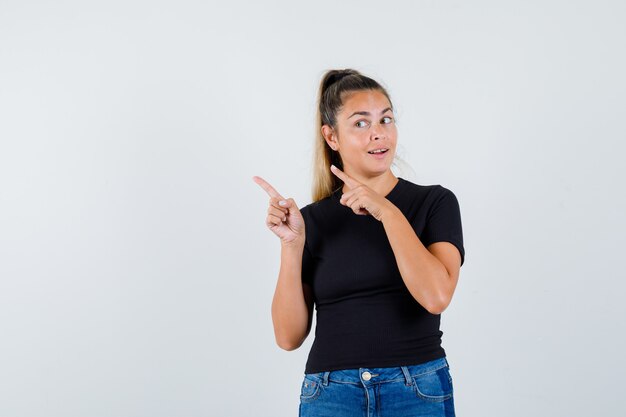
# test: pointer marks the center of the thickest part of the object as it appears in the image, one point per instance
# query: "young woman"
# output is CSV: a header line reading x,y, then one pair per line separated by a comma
x,y
379,258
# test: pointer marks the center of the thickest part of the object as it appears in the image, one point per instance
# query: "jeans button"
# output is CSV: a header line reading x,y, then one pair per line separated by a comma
x,y
366,376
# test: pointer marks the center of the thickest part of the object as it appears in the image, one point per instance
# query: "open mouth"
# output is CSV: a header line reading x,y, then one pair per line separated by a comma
x,y
378,151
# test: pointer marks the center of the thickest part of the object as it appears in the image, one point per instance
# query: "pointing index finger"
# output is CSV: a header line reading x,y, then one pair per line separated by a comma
x,y
348,180
267,187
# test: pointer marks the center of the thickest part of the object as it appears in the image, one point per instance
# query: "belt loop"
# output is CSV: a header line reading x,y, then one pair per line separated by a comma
x,y
407,376
325,378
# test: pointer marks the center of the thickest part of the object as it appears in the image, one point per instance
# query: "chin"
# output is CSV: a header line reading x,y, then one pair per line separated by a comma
x,y
381,170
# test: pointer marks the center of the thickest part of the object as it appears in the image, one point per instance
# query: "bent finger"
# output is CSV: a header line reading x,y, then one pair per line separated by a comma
x,y
273,220
275,212
274,203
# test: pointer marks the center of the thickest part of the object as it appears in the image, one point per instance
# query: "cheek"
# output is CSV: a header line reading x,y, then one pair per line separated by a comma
x,y
357,143
393,137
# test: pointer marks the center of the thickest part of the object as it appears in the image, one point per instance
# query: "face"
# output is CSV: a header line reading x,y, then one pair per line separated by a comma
x,y
365,123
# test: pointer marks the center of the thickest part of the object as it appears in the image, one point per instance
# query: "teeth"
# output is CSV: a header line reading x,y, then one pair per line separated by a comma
x,y
378,151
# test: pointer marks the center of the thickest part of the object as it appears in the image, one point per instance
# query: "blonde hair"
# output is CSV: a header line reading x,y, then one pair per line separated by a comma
x,y
332,91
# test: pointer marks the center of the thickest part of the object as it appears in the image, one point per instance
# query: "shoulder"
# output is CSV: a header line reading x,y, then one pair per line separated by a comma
x,y
318,219
443,198
426,199
443,204
441,192
311,207
415,188
434,189
315,208
429,192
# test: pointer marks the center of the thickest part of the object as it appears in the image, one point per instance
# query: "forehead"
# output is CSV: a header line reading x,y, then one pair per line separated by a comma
x,y
366,100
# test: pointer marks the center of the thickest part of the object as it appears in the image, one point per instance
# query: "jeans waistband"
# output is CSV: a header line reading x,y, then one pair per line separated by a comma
x,y
360,376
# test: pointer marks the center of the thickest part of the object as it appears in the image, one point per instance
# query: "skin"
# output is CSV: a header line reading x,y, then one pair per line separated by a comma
x,y
430,273
355,134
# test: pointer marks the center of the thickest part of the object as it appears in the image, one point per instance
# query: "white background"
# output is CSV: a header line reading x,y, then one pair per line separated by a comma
x,y
136,271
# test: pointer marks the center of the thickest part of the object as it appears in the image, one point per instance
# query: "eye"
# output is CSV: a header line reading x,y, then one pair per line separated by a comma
x,y
388,118
360,121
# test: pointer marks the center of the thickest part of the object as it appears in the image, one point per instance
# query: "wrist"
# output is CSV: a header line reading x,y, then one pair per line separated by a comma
x,y
388,212
296,244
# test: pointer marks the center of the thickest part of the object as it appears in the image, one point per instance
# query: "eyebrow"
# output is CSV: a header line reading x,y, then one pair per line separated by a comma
x,y
366,113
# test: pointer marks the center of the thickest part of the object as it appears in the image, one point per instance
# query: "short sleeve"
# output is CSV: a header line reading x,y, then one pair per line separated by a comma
x,y
307,265
443,223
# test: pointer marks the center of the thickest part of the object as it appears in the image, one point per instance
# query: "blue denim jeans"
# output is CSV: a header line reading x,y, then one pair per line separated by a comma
x,y
403,391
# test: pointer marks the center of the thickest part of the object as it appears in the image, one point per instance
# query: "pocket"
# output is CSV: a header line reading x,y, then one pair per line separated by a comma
x,y
434,386
310,389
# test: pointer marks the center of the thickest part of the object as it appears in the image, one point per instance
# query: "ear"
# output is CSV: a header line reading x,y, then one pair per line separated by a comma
x,y
329,135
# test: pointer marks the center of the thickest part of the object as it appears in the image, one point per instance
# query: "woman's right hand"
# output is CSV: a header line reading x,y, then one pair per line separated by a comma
x,y
285,221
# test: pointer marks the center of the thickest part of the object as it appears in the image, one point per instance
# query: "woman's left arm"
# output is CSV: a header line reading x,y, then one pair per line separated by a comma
x,y
430,274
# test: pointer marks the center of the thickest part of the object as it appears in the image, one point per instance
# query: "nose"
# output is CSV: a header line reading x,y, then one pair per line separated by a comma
x,y
377,131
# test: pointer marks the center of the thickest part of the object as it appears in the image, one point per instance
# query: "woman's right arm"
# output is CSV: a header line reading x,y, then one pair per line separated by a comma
x,y
292,306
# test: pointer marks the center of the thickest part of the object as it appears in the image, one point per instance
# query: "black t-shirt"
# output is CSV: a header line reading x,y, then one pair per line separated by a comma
x,y
366,316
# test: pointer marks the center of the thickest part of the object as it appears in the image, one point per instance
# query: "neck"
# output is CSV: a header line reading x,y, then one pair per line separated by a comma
x,y
381,184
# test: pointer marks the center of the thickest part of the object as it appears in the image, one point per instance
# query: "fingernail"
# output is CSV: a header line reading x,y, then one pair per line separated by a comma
x,y
332,166
282,202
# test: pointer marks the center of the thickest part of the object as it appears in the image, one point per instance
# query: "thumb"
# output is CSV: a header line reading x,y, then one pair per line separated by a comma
x,y
289,203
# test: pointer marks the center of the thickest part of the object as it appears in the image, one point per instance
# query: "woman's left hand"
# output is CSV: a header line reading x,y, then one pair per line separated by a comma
x,y
361,198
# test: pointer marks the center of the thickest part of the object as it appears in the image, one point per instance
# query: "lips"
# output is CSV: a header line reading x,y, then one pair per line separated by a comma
x,y
376,151
380,155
